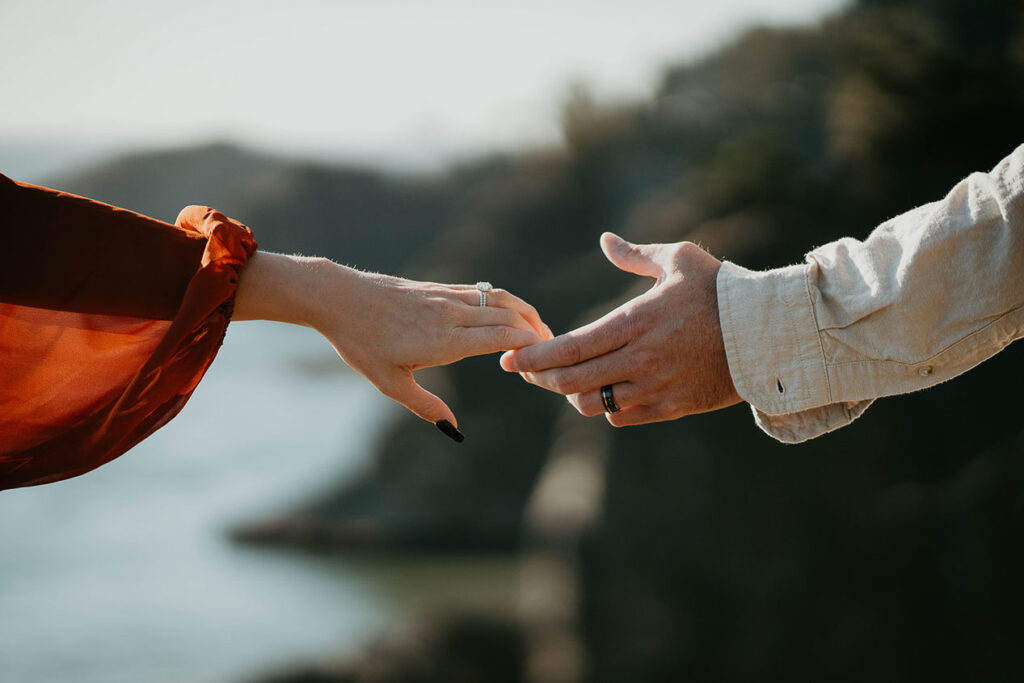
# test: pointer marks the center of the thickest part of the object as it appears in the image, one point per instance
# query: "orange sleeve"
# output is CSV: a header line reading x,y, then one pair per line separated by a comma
x,y
69,253
108,320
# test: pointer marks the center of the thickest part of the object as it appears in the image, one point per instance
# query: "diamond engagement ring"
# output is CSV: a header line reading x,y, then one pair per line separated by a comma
x,y
483,288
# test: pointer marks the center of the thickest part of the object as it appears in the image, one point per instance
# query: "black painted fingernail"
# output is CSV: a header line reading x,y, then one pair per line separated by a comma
x,y
450,430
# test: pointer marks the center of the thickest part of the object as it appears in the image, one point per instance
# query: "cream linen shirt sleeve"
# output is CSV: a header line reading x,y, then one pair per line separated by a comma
x,y
927,296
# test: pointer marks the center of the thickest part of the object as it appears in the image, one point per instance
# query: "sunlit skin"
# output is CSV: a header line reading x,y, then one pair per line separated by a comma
x,y
386,327
662,351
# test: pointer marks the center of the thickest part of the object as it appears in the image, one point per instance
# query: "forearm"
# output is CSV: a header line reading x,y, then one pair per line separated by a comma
x,y
69,253
110,320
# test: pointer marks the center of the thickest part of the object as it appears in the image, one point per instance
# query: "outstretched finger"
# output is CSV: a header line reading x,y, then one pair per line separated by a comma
x,y
487,316
422,403
586,376
595,339
476,341
500,298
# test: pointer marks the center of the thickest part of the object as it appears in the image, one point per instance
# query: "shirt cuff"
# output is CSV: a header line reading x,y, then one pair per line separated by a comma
x,y
774,351
808,424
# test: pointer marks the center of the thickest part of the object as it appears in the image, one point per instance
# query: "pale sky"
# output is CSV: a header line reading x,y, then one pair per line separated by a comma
x,y
396,80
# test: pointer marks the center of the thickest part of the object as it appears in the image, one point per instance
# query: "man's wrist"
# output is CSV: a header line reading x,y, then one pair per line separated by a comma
x,y
725,393
771,338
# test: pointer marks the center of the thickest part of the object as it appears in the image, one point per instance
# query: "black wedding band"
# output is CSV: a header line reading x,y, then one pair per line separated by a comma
x,y
608,400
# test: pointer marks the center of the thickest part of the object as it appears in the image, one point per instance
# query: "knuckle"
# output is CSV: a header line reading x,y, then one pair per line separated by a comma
x,y
448,310
682,251
439,301
590,408
632,322
667,406
665,387
502,336
645,363
652,396
558,382
569,351
663,412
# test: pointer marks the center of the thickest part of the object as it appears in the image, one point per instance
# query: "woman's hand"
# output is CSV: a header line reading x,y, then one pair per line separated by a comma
x,y
386,327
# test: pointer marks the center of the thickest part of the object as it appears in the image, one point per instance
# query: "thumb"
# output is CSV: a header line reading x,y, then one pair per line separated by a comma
x,y
423,404
639,259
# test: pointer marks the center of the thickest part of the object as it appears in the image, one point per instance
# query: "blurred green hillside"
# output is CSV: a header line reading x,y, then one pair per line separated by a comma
x,y
887,550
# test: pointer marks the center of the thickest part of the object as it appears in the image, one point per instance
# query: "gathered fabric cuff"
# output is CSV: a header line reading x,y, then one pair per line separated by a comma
x,y
78,389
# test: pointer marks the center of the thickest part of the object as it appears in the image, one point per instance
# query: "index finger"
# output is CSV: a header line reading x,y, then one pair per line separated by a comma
x,y
594,339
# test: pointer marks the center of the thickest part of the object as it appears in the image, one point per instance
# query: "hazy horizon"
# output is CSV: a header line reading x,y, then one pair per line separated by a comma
x,y
395,83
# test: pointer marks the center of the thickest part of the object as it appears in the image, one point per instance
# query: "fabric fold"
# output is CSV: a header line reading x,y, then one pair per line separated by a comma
x,y
78,389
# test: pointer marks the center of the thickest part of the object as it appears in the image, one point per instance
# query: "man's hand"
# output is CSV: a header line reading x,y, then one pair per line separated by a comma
x,y
661,352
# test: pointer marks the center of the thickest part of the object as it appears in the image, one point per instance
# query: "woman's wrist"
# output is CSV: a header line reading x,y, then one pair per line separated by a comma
x,y
335,291
291,289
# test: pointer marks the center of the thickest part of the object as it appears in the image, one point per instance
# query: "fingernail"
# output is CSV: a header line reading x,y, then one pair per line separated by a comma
x,y
450,430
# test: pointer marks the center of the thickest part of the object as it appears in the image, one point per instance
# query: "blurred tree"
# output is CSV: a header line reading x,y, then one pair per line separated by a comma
x,y
978,27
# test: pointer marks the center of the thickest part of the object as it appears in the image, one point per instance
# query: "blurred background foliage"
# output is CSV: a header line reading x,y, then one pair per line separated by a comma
x,y
888,550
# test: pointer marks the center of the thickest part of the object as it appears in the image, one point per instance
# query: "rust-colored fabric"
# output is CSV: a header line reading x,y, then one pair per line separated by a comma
x,y
108,320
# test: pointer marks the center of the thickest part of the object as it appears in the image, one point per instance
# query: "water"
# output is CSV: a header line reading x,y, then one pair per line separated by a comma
x,y
124,574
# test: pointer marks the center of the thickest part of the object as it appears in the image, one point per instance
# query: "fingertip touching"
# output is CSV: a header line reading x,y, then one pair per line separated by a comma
x,y
507,361
526,357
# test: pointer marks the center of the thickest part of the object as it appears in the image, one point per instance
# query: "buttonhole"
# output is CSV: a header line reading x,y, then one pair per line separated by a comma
x,y
778,385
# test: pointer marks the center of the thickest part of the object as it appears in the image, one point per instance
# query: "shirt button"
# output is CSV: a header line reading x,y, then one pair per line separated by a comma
x,y
925,370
